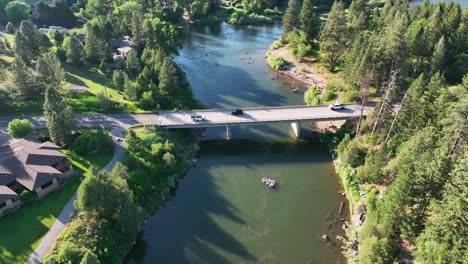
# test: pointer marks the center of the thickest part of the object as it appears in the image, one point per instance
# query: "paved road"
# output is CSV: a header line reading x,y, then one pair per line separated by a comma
x,y
217,117
46,243
93,120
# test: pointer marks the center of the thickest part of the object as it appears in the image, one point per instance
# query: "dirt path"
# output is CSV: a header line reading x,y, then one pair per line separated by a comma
x,y
59,225
305,71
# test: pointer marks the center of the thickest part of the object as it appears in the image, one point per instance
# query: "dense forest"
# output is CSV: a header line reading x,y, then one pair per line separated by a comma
x,y
406,163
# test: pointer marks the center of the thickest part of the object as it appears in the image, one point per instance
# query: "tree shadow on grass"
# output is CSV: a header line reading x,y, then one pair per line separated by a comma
x,y
73,80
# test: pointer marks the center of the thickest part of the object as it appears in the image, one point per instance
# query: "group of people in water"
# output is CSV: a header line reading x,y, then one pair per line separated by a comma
x,y
269,182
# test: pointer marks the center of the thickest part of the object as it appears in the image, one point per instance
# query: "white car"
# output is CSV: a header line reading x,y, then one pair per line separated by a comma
x,y
336,106
198,118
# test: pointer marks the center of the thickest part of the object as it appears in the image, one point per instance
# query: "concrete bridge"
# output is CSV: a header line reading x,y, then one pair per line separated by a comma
x,y
259,115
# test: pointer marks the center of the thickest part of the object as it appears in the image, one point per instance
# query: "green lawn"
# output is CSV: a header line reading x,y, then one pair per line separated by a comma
x,y
86,103
22,230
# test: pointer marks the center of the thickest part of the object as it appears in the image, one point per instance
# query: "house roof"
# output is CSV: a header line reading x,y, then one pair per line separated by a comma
x,y
80,37
124,50
29,163
6,194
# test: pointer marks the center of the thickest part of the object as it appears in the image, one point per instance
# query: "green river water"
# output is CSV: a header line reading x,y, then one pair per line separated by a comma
x,y
221,212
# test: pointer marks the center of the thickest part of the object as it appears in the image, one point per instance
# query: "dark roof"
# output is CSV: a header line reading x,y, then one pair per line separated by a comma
x,y
115,43
29,163
6,194
80,37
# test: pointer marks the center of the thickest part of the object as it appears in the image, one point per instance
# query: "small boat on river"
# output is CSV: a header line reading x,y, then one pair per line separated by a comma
x,y
269,182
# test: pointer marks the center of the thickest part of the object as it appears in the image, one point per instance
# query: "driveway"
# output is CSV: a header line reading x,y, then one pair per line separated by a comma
x,y
47,242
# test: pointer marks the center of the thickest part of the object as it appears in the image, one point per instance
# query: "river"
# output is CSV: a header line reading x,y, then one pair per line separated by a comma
x,y
461,2
221,212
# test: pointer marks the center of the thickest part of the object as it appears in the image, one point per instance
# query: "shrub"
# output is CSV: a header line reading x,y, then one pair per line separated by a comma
x,y
90,258
104,102
19,128
169,160
84,144
275,62
312,96
371,171
353,154
147,101
300,45
27,196
157,149
350,96
276,45
69,253
99,141
328,95
104,142
10,28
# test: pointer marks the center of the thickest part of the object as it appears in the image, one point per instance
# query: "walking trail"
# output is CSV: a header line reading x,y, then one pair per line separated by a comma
x,y
46,243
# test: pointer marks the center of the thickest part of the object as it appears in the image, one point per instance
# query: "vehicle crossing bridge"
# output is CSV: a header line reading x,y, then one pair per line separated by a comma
x,y
260,115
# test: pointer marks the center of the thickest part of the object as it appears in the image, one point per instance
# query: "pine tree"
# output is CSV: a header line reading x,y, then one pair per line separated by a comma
x,y
357,15
59,116
96,47
49,71
75,51
130,92
335,36
27,41
119,78
167,78
133,63
291,19
23,79
137,29
310,20
438,57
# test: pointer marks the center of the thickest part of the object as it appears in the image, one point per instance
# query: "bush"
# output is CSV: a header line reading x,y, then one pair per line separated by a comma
x,y
99,141
371,171
10,28
275,62
69,253
169,160
84,144
312,96
276,45
157,149
19,128
300,45
328,95
350,96
27,196
353,154
147,101
104,142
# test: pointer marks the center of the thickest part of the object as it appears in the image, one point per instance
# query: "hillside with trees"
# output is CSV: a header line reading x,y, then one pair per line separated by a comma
x,y
404,167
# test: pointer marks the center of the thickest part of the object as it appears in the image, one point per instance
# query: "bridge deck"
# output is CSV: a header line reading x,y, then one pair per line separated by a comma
x,y
218,117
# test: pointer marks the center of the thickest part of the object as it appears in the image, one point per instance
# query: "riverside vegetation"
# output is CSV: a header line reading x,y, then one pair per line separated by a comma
x,y
406,165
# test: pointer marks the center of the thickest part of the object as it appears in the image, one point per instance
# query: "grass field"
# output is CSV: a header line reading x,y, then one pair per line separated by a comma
x,y
86,103
22,230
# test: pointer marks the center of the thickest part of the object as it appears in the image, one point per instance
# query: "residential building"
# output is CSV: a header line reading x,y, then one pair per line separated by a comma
x,y
26,164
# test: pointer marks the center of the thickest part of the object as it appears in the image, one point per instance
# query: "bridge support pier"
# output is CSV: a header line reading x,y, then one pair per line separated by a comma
x,y
228,133
296,126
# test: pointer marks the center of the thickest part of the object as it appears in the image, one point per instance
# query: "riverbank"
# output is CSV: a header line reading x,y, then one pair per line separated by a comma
x,y
153,164
304,71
